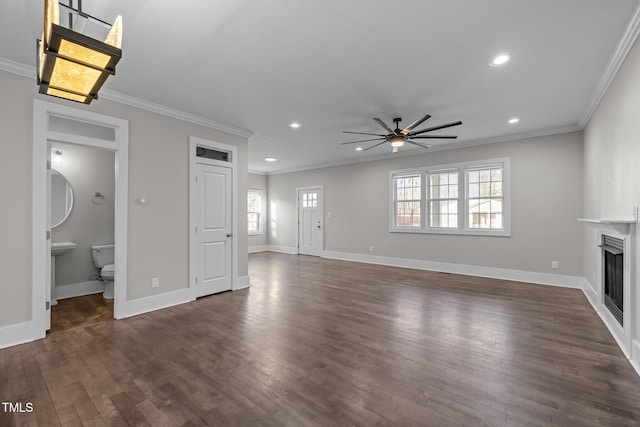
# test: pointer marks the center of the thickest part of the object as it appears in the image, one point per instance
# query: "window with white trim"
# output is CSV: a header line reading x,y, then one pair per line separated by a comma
x,y
463,198
407,195
484,197
254,212
443,199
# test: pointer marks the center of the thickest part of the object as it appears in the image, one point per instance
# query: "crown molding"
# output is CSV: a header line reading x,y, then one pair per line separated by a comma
x,y
173,113
625,44
17,68
29,71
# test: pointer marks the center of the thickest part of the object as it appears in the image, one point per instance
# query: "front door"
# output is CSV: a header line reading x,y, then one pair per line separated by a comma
x,y
310,232
213,229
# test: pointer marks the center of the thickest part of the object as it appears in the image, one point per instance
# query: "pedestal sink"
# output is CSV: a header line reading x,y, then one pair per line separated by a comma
x,y
58,249
62,248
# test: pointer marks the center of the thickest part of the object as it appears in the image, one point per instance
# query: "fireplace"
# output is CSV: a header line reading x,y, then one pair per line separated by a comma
x,y
613,276
613,292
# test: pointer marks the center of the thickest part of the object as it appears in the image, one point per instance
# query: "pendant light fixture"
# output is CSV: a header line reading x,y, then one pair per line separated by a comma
x,y
73,65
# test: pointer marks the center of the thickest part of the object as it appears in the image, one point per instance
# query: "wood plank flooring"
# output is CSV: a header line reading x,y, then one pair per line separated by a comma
x,y
80,311
328,343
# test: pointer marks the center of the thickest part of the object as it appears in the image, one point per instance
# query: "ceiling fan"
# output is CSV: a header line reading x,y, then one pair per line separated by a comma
x,y
398,137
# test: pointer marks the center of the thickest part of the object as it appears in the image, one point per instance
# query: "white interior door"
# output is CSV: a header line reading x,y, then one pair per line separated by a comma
x,y
310,226
213,229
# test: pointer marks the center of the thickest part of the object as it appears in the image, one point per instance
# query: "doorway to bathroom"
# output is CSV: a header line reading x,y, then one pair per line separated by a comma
x,y
55,126
82,195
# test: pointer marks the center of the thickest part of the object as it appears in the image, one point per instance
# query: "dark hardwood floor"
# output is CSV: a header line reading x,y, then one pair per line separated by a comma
x,y
80,311
329,343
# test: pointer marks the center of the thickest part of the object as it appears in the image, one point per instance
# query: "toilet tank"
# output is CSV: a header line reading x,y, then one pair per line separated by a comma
x,y
102,255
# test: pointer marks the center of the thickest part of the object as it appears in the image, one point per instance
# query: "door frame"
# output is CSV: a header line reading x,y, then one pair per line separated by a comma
x,y
320,189
41,245
195,142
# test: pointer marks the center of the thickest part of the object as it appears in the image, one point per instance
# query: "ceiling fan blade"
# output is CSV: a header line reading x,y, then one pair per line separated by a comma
x,y
381,123
448,125
373,146
363,133
419,144
414,124
363,140
434,137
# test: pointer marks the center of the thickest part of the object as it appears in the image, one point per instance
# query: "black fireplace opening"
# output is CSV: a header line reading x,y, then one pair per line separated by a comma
x,y
613,262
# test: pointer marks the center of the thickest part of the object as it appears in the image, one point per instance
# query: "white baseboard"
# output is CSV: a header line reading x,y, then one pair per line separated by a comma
x,y
79,289
469,270
17,334
259,248
157,302
590,293
242,282
635,356
291,250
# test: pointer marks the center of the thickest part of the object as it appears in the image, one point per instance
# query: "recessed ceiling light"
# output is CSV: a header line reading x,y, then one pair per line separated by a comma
x,y
294,125
270,159
500,60
514,120
358,148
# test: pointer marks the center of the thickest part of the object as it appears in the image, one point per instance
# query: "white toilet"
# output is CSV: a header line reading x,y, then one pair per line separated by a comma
x,y
103,259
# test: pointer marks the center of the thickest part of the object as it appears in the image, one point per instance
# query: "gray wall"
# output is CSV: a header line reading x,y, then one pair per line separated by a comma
x,y
88,170
259,182
546,200
158,170
611,162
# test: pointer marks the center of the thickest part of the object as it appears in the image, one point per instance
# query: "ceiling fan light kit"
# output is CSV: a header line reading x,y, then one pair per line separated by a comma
x,y
396,141
72,65
397,138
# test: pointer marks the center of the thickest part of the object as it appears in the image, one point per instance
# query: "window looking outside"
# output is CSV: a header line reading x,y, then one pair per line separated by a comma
x,y
407,197
254,211
463,198
484,198
443,199
310,200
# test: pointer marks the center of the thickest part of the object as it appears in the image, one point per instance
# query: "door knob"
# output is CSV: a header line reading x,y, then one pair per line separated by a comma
x,y
229,234
318,225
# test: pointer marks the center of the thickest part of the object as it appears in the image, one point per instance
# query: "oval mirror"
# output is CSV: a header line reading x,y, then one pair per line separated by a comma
x,y
61,198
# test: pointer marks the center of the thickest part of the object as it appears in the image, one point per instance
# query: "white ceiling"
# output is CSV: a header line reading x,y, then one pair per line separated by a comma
x,y
334,65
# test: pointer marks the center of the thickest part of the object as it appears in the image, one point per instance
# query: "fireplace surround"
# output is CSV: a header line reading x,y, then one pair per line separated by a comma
x,y
614,280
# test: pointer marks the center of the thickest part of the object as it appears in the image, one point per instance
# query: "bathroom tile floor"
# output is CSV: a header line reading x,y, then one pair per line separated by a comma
x,y
80,311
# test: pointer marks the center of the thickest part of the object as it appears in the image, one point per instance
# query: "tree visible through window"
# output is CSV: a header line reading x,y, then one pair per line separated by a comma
x,y
254,211
408,193
484,197
443,199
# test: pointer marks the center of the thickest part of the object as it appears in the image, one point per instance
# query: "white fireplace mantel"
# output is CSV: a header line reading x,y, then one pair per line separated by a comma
x,y
622,225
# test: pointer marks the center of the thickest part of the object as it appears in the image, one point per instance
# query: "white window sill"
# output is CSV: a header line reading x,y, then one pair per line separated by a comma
x,y
458,232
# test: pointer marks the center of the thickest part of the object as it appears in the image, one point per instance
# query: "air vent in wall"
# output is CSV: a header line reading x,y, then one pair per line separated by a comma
x,y
209,153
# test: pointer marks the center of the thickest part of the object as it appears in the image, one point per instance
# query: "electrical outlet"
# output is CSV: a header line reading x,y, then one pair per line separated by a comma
x,y
554,264
370,248
155,282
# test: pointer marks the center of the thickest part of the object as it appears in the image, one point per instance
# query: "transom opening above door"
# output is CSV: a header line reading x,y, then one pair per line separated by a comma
x,y
210,153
